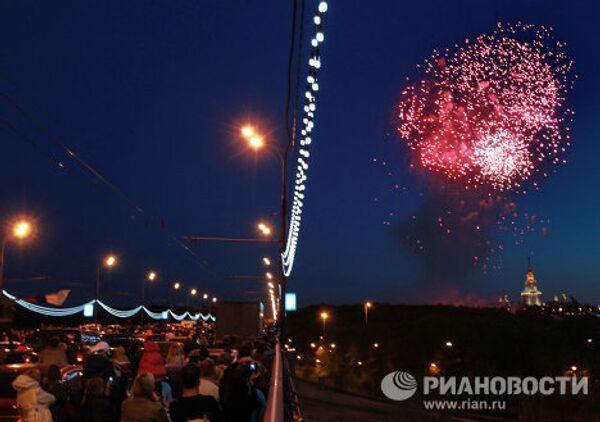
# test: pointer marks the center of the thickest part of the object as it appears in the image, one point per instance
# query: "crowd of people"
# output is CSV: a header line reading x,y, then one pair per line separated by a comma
x,y
185,385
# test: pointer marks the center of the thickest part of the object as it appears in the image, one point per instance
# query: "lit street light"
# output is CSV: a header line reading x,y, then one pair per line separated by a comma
x,y
266,261
324,316
19,230
151,276
193,292
205,296
177,285
367,306
264,229
247,131
109,261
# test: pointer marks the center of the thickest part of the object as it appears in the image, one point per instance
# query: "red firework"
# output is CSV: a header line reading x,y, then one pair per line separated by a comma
x,y
491,112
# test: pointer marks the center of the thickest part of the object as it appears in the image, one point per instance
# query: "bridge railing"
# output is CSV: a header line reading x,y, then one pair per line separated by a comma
x,y
275,402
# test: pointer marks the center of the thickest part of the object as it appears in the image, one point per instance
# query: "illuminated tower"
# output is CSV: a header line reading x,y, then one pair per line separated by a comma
x,y
531,296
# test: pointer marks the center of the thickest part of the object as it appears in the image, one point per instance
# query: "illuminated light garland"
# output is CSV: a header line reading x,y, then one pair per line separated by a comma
x,y
119,313
60,312
45,310
312,87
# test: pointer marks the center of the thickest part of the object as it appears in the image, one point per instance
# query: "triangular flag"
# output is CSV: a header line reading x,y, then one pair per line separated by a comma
x,y
58,298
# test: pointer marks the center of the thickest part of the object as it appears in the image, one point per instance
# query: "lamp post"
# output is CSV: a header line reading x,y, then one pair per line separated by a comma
x,y
19,230
151,276
256,142
366,306
324,316
176,287
109,262
193,292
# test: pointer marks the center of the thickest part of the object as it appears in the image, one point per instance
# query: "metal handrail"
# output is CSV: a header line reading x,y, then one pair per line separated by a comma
x,y
274,411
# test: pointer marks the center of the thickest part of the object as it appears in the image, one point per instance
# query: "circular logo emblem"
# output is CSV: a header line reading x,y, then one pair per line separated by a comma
x,y
399,385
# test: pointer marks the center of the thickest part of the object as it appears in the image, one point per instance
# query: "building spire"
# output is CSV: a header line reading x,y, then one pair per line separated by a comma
x,y
529,269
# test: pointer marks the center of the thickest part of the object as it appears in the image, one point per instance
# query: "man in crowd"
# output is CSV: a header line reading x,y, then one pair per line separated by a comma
x,y
192,405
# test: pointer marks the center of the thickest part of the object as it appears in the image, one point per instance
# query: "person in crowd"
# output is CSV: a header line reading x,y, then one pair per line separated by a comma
x,y
175,361
239,399
153,362
120,357
96,406
175,356
243,356
208,379
257,383
63,409
33,403
192,405
97,364
53,354
223,361
144,404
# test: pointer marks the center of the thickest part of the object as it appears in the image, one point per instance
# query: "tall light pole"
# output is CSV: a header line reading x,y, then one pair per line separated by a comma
x,y
256,142
19,230
176,287
324,316
193,292
151,276
367,306
108,262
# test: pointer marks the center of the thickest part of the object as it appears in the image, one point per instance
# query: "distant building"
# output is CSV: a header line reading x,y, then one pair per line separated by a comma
x,y
531,296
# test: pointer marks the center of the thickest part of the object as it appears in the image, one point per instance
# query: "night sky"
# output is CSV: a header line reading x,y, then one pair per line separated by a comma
x,y
152,94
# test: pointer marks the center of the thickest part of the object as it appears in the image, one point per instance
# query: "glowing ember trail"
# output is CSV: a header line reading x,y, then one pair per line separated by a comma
x,y
491,112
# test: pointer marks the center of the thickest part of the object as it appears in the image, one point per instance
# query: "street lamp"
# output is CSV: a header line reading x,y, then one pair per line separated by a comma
x,y
109,261
257,142
264,229
150,276
176,285
324,316
367,305
193,292
266,261
19,230
205,296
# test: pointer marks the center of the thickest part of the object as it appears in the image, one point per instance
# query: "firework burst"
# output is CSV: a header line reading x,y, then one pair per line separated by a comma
x,y
491,112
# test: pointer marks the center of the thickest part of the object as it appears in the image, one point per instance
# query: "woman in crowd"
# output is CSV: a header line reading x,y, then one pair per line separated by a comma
x,y
175,356
153,362
33,403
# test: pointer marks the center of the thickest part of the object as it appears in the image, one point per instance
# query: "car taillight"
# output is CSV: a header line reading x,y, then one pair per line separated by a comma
x,y
79,358
27,359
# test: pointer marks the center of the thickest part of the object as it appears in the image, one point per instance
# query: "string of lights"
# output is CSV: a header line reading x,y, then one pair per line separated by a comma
x,y
45,310
61,312
312,87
